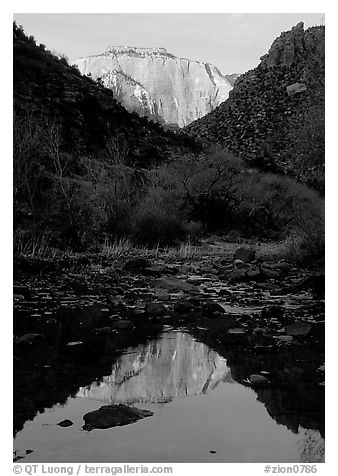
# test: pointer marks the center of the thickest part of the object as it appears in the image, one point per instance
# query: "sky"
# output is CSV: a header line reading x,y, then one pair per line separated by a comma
x,y
233,42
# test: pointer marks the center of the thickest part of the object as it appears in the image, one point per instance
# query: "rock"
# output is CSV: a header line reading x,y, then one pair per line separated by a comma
x,y
155,309
225,292
282,266
237,330
253,275
256,379
227,321
316,282
237,275
22,290
65,423
298,329
117,290
123,324
210,307
284,49
239,263
194,301
259,331
137,264
173,284
17,458
272,312
109,416
74,344
154,270
317,330
270,273
225,263
18,297
245,254
197,280
284,338
79,286
114,317
183,307
296,88
30,339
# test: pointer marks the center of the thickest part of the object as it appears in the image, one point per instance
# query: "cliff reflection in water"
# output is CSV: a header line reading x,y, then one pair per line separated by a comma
x,y
173,366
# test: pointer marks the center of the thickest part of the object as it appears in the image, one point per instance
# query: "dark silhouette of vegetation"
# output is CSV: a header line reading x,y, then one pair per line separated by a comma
x,y
86,170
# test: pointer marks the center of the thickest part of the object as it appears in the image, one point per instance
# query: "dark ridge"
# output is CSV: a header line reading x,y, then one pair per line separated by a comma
x,y
268,125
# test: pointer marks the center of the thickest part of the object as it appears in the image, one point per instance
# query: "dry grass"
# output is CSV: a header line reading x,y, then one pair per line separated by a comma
x,y
124,248
33,246
183,252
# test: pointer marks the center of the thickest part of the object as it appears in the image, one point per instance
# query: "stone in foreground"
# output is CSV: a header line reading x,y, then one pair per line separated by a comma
x,y
109,416
65,423
244,254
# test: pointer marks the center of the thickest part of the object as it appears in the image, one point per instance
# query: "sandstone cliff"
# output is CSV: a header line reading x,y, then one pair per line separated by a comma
x,y
152,81
274,117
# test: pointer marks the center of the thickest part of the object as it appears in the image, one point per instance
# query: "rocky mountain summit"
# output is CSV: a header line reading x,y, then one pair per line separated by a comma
x,y
155,83
274,117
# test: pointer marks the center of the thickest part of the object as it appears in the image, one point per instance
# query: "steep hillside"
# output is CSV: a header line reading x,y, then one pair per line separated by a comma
x,y
81,159
178,90
274,117
87,112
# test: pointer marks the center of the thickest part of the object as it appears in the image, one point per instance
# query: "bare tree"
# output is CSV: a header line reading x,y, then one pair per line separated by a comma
x,y
26,140
52,139
117,151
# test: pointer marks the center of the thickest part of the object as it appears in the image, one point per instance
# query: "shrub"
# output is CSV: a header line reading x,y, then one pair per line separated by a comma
x,y
157,227
193,231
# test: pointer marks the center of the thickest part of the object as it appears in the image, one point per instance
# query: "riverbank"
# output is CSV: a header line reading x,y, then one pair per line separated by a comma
x,y
75,316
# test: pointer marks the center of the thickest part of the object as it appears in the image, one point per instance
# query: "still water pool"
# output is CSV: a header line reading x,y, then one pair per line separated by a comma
x,y
197,408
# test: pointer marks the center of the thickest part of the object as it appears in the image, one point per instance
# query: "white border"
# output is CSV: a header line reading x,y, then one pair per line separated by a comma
x,y
63,6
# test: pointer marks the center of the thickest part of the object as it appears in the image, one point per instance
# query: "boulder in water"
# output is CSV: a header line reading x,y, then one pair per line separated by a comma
x,y
298,329
256,379
109,416
65,423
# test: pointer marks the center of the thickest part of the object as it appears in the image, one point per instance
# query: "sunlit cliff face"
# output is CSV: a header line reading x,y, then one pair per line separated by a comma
x,y
154,81
177,366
